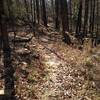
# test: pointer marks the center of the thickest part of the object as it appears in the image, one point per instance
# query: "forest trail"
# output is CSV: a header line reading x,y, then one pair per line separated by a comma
x,y
59,72
55,66
63,79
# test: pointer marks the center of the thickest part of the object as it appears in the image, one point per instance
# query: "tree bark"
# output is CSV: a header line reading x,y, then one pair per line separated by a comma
x,y
8,69
37,11
86,15
64,21
44,15
57,22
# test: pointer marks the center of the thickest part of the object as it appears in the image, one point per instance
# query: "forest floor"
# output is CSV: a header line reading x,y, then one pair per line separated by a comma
x,y
48,69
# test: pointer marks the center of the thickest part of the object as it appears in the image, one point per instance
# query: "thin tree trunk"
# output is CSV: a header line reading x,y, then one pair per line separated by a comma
x,y
79,33
85,27
93,35
79,20
64,15
52,6
97,4
31,4
44,16
37,11
57,22
34,3
64,20
11,17
27,11
70,15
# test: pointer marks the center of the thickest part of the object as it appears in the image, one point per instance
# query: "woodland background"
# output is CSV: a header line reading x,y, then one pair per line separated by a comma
x,y
50,49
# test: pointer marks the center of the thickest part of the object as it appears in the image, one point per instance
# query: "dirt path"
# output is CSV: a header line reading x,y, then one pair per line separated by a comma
x,y
64,75
61,75
51,88
59,84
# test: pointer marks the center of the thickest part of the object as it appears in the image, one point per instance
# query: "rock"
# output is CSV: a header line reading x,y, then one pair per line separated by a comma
x,y
44,40
23,39
24,65
23,51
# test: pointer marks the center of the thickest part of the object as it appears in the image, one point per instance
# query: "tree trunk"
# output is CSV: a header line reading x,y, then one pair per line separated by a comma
x,y
57,22
79,19
37,11
92,24
79,34
64,20
27,11
8,69
44,16
64,15
85,27
70,15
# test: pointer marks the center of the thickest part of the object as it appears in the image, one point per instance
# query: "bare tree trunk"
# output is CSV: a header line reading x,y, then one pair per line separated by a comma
x,y
34,3
27,11
79,33
79,20
31,4
57,22
44,16
64,15
86,15
8,69
37,11
64,20
97,4
92,20
53,12
70,15
11,17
